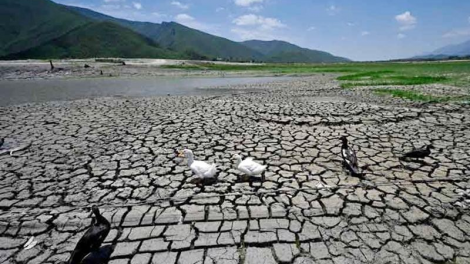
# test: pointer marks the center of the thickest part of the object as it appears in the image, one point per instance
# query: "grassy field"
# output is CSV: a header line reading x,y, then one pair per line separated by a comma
x,y
416,96
456,73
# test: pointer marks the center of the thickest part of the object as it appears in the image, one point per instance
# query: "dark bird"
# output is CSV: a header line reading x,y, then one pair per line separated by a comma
x,y
100,256
2,141
419,153
92,239
349,158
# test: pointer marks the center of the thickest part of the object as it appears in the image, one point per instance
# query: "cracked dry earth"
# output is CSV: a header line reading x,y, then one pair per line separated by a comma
x,y
119,153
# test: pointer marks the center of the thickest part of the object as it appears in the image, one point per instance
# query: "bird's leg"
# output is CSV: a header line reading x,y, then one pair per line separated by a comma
x,y
245,178
345,166
197,180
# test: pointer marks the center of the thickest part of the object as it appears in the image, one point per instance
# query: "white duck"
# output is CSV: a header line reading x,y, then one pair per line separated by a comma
x,y
200,168
248,166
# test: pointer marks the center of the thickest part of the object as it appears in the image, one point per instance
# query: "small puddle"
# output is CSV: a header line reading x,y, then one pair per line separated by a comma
x,y
31,91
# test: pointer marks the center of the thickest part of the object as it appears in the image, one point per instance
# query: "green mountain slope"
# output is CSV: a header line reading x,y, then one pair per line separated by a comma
x,y
44,29
270,47
180,38
145,28
284,52
97,39
29,23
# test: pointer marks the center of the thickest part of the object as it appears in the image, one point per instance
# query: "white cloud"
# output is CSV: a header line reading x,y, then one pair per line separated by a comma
x,y
129,12
111,7
192,22
311,28
401,36
350,24
365,33
332,10
406,21
159,15
254,20
460,32
246,34
184,18
137,5
219,9
180,5
255,8
109,1
246,3
257,27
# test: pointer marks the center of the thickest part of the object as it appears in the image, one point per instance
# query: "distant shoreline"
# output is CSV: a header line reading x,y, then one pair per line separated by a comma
x,y
40,69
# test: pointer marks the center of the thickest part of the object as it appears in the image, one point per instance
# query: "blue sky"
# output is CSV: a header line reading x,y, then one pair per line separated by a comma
x,y
357,29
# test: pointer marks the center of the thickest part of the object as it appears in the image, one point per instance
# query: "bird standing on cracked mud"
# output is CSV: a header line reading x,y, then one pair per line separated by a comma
x,y
350,158
88,247
205,173
248,166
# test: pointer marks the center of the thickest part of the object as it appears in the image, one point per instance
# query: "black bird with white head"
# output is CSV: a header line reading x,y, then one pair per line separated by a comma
x,y
92,239
349,158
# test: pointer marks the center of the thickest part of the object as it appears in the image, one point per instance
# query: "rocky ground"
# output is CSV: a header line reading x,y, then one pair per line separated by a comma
x,y
119,153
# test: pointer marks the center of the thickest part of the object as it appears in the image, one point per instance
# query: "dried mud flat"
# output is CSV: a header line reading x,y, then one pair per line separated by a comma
x,y
65,69
119,153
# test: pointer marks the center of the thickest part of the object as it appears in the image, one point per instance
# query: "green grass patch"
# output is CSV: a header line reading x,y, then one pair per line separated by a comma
x,y
369,75
361,73
347,85
185,67
386,77
395,80
410,80
416,96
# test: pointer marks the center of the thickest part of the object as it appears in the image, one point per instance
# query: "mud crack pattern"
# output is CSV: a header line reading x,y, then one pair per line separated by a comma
x,y
119,153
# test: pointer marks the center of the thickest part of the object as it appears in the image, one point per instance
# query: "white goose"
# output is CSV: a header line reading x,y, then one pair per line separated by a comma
x,y
201,169
248,166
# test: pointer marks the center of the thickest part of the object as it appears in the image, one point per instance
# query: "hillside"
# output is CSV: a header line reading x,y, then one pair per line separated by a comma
x,y
462,49
284,52
44,29
97,39
180,38
29,23
446,52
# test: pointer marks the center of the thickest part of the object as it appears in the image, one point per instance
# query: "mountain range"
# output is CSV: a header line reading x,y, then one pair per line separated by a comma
x,y
455,50
43,29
